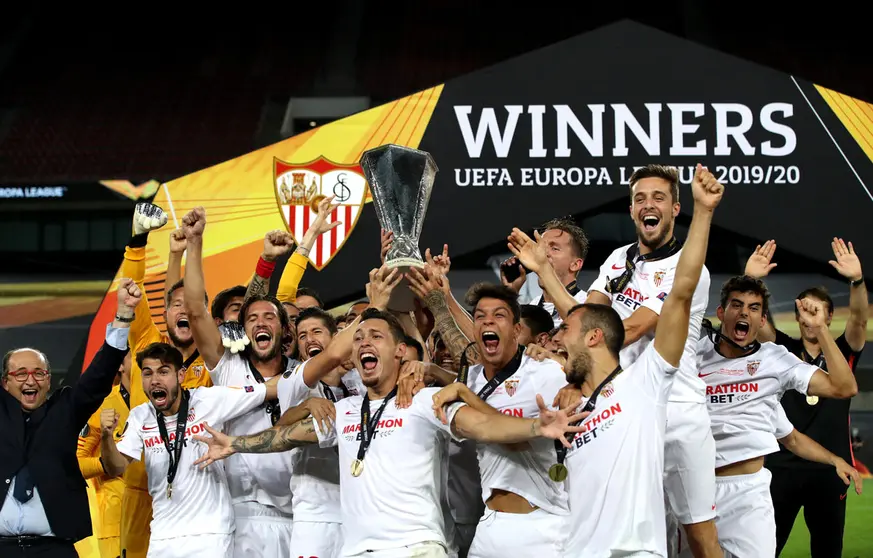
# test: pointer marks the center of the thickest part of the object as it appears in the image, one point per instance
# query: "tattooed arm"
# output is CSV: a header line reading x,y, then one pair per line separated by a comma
x,y
277,439
450,333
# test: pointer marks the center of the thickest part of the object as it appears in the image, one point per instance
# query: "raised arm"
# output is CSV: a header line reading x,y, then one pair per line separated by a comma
x,y
672,329
178,244
532,254
848,265
296,266
114,462
759,266
207,337
839,381
276,244
146,218
96,382
427,284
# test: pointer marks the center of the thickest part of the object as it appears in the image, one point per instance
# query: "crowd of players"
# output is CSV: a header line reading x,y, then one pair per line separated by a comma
x,y
612,422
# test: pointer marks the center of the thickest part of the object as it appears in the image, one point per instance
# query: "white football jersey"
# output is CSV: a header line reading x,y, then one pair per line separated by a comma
x,y
648,288
200,503
743,395
398,499
252,477
549,307
315,472
523,472
616,466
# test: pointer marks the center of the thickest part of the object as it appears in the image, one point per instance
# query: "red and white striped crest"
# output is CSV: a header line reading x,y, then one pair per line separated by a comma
x,y
299,188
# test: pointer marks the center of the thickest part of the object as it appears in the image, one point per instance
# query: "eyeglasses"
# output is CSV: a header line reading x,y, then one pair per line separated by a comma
x,y
21,375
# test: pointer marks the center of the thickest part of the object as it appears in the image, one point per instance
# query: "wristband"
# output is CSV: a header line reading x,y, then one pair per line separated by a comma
x,y
302,251
857,283
139,240
125,320
264,268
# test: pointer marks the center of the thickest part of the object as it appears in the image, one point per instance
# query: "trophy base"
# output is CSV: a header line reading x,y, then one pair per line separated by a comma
x,y
402,297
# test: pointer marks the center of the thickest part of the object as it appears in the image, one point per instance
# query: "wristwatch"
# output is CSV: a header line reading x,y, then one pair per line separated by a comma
x,y
857,283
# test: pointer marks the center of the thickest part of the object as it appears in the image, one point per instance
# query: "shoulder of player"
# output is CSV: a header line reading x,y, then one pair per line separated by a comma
x,y
619,254
230,362
141,412
348,403
547,366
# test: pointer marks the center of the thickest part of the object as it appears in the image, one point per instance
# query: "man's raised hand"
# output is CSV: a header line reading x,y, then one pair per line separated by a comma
x,y
530,252
178,242
129,296
707,191
556,424
276,244
218,447
382,283
320,225
194,222
845,260
759,264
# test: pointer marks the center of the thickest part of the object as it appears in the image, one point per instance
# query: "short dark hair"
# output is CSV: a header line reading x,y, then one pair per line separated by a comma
x,y
537,318
164,352
11,352
411,341
578,238
393,323
178,285
818,293
607,320
306,291
222,300
746,284
489,290
314,312
280,310
670,174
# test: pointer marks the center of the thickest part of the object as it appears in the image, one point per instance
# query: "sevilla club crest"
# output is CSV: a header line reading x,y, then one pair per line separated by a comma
x,y
511,386
299,188
658,278
752,367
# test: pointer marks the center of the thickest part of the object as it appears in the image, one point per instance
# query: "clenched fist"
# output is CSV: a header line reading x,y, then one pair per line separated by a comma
x,y
129,296
707,191
194,222
108,422
148,217
276,244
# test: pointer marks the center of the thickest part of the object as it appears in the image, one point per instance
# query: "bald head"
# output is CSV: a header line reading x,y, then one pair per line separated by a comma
x,y
26,377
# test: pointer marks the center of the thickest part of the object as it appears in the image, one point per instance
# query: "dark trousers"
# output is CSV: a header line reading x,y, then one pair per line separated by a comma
x,y
37,547
822,495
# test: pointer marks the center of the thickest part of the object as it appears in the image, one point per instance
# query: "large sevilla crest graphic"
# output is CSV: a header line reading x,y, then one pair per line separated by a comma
x,y
299,188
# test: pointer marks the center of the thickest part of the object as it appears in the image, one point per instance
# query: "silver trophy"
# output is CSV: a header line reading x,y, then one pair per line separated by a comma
x,y
401,180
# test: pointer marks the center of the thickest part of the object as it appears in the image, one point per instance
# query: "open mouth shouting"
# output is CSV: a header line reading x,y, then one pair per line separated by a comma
x,y
183,326
263,339
490,342
650,222
741,331
313,349
159,398
369,360
29,396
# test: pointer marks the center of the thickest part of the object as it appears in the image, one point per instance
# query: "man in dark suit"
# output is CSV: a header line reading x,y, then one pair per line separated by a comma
x,y
43,502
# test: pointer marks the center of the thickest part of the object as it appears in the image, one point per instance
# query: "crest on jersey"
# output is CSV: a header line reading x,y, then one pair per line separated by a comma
x,y
658,278
511,386
197,370
607,390
191,415
299,188
752,367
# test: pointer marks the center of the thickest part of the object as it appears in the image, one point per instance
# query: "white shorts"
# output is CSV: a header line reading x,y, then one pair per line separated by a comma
x,y
316,539
261,531
192,546
419,550
746,523
538,533
464,538
689,463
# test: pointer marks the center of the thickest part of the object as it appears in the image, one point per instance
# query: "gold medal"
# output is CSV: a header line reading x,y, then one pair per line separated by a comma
x,y
169,491
357,467
812,399
558,472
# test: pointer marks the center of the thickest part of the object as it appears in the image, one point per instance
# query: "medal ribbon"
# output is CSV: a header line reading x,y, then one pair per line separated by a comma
x,y
368,425
715,336
190,360
328,392
572,288
501,376
560,449
464,370
272,407
634,257
174,450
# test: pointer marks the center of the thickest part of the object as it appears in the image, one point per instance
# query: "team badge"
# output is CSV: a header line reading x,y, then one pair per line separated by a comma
x,y
197,370
752,367
191,415
510,386
658,278
662,296
300,187
607,390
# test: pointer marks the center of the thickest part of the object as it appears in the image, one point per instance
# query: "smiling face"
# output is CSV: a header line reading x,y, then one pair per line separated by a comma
x,y
653,211
742,317
162,384
178,327
496,332
561,254
313,337
556,343
27,378
264,328
376,353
